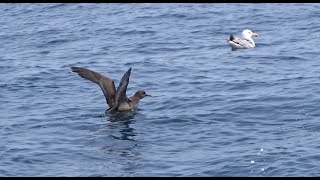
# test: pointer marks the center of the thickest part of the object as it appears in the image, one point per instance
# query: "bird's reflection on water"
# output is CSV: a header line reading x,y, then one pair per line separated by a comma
x,y
124,145
122,122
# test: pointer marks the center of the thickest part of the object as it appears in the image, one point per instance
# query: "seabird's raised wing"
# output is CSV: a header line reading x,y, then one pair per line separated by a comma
x,y
106,84
121,93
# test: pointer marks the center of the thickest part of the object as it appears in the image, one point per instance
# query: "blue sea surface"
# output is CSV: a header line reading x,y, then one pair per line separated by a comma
x,y
213,111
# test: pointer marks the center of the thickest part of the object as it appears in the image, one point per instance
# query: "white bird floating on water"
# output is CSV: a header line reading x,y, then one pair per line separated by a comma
x,y
243,42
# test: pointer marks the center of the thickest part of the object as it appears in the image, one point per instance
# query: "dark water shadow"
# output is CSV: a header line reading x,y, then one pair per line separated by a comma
x,y
242,49
121,116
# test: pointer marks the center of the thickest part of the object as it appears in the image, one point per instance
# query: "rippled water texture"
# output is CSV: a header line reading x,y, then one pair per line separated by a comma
x,y
214,112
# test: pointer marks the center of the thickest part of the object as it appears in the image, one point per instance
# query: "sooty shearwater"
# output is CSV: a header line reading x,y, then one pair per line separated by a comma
x,y
116,98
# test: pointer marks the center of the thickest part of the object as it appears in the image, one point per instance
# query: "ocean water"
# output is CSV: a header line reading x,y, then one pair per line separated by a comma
x,y
213,111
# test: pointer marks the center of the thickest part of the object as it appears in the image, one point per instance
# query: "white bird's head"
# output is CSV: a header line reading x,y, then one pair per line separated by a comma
x,y
248,33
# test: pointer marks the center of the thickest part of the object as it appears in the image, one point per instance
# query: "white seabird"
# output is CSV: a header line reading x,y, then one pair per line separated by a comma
x,y
243,42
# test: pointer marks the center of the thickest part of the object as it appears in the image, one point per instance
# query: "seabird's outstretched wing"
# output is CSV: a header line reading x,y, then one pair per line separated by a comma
x,y
106,84
121,93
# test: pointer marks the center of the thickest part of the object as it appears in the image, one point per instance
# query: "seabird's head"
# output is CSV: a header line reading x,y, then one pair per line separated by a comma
x,y
141,94
248,33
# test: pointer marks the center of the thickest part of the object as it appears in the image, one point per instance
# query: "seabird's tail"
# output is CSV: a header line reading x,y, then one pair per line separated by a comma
x,y
231,38
112,110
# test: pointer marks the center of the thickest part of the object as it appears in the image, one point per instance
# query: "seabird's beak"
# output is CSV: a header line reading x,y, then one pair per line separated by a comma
x,y
148,95
255,34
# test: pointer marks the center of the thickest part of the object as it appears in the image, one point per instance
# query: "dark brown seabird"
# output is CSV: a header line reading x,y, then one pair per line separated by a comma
x,y
116,99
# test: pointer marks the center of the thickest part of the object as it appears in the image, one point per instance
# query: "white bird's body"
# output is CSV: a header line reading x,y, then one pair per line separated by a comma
x,y
243,42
